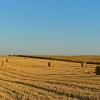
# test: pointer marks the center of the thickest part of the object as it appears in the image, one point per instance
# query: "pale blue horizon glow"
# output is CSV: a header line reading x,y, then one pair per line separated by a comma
x,y
50,27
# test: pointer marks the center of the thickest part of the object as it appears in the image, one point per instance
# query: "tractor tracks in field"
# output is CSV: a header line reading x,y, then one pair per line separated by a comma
x,y
68,83
15,74
10,92
44,89
35,86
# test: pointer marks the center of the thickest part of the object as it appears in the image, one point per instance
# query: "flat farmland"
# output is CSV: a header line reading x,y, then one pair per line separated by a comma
x,y
32,79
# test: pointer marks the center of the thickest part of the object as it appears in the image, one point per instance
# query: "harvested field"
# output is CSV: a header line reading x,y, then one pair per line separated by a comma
x,y
32,79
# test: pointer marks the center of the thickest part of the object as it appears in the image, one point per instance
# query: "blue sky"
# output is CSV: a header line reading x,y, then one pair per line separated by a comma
x,y
51,27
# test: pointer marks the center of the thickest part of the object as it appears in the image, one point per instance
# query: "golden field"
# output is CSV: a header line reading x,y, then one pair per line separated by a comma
x,y
32,79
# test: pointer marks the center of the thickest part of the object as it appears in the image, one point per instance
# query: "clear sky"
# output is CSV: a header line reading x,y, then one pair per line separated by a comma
x,y
57,27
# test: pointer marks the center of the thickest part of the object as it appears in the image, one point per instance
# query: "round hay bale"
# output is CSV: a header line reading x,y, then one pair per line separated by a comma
x,y
97,70
83,64
2,63
6,60
49,64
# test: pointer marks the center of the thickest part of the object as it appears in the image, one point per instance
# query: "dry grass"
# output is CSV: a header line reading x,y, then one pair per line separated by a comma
x,y
32,79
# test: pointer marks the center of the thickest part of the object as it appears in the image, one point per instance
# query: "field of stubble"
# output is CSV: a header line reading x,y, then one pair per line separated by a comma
x,y
32,79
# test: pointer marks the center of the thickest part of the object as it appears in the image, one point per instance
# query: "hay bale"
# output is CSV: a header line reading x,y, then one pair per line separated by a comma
x,y
2,63
97,70
49,64
6,60
83,64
